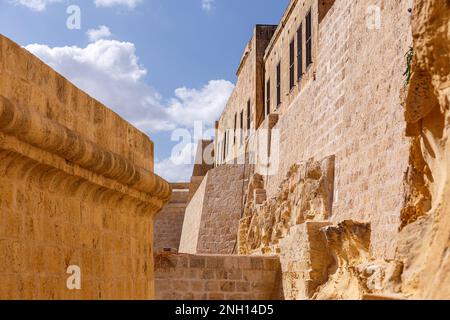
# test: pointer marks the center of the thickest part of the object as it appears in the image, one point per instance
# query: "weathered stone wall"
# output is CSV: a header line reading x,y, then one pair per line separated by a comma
x,y
217,277
192,219
278,52
249,87
169,221
424,241
76,188
212,217
305,195
351,109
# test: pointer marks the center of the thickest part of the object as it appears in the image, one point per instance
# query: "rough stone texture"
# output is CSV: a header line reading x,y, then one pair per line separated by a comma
x,y
212,217
348,243
169,221
305,195
425,237
304,266
76,188
217,277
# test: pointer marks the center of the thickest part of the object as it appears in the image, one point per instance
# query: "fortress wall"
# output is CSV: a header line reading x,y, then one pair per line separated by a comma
x,y
217,277
169,222
76,189
192,220
212,217
351,108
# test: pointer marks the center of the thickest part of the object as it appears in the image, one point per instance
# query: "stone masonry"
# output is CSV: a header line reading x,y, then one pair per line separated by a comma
x,y
212,217
77,188
169,221
212,277
353,207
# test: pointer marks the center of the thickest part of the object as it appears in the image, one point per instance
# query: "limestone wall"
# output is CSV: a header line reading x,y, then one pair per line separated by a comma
x,y
76,188
169,221
423,249
217,277
212,217
249,87
351,108
192,220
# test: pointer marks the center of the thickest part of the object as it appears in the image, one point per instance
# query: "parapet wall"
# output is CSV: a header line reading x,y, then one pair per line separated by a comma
x,y
217,277
77,188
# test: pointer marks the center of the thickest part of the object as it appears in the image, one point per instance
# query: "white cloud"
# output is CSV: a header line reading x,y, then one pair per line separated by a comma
x,y
131,4
96,34
207,5
178,168
41,5
36,5
109,70
206,104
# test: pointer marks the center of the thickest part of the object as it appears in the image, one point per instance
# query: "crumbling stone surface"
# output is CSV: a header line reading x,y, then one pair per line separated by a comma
x,y
305,260
305,195
424,240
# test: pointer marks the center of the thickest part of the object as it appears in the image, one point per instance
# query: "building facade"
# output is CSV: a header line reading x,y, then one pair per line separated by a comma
x,y
332,77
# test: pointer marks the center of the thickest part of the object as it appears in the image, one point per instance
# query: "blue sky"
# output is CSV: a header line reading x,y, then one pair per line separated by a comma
x,y
161,64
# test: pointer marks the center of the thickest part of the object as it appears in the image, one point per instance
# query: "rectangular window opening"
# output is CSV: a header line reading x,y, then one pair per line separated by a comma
x,y
300,52
249,115
241,128
268,97
278,84
308,39
291,64
235,128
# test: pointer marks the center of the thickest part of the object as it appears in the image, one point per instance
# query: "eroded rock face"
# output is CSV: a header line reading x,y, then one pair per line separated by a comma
x,y
425,236
305,195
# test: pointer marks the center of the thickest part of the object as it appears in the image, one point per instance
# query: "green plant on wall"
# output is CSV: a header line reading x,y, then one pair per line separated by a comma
x,y
409,57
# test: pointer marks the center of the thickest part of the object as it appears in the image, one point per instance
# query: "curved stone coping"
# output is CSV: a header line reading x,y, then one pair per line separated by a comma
x,y
34,129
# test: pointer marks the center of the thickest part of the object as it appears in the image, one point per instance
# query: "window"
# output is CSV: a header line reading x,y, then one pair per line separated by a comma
x,y
235,127
308,39
268,97
278,84
242,127
300,52
249,118
291,64
224,146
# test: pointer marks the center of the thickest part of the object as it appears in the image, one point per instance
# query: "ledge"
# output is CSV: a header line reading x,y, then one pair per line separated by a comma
x,y
36,130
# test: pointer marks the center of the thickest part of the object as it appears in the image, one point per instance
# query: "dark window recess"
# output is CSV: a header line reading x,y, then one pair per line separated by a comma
x,y
242,127
227,133
291,64
278,84
268,97
308,39
235,128
224,146
300,52
249,114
